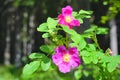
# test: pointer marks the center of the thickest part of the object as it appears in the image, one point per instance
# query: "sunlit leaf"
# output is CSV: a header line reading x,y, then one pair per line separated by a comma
x,y
36,55
51,23
43,27
45,35
78,74
45,64
85,12
112,66
47,48
30,68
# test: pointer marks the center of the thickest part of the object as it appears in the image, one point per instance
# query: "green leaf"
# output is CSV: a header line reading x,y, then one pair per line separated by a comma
x,y
74,13
79,40
45,35
51,23
47,48
69,31
45,64
78,74
76,38
87,59
101,30
36,55
85,12
31,68
94,57
91,29
111,66
87,35
117,59
84,53
73,44
91,47
105,59
82,43
81,21
86,73
42,27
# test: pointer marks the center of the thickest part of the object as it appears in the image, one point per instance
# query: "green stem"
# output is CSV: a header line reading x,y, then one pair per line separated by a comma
x,y
96,41
67,40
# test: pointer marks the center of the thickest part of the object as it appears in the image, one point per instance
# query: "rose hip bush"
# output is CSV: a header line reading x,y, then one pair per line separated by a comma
x,y
71,54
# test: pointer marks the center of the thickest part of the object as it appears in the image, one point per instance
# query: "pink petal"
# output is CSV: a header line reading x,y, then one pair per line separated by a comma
x,y
70,26
73,51
60,16
61,49
75,62
64,67
62,22
57,58
67,10
75,22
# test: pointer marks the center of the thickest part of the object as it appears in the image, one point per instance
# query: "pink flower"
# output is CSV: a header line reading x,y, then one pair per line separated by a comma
x,y
66,59
67,19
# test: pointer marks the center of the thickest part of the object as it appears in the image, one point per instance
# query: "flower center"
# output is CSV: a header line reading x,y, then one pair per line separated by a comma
x,y
68,19
66,57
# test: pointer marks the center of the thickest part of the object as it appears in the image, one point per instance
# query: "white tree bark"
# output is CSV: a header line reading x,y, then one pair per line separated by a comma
x,y
113,37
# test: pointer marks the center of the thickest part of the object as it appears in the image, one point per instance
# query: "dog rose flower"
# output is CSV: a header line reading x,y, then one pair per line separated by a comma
x,y
67,19
66,59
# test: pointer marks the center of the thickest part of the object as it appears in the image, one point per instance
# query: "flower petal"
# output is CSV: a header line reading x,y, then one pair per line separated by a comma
x,y
64,67
75,62
60,16
75,22
60,49
67,10
73,51
57,58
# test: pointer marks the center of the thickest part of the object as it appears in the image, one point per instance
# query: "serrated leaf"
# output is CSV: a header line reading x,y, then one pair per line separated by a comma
x,y
85,12
45,35
87,35
79,40
86,73
94,57
45,64
78,74
82,43
30,68
43,27
81,21
36,55
51,23
91,29
76,38
102,30
47,48
73,44
84,53
105,59
91,47
74,13
111,66
87,59
69,31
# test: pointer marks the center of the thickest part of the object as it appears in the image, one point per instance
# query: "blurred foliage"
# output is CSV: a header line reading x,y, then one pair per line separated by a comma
x,y
9,73
114,8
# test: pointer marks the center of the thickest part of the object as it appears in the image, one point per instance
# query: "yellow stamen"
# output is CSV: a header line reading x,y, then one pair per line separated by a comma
x,y
66,57
68,19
